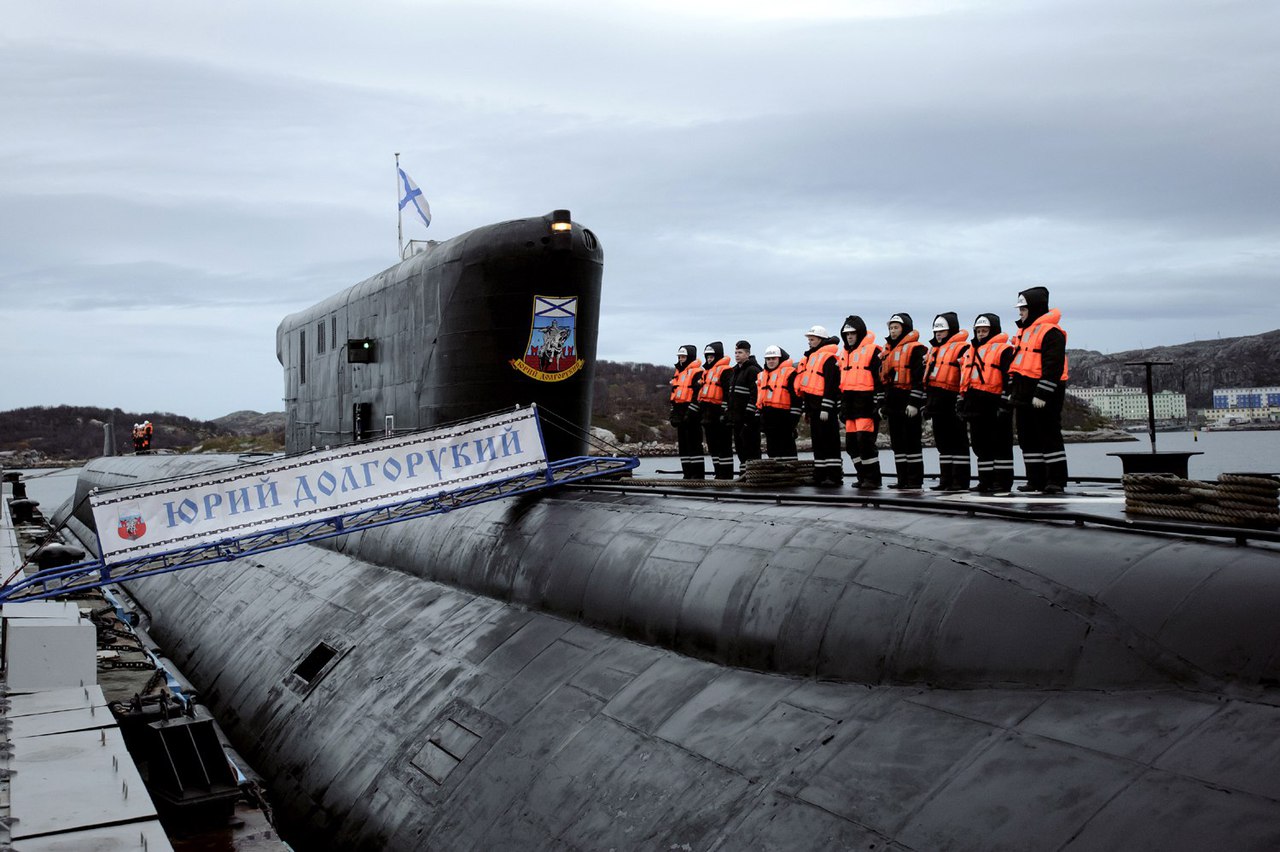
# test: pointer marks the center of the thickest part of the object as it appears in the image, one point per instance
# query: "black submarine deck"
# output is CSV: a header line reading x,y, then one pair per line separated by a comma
x,y
1087,502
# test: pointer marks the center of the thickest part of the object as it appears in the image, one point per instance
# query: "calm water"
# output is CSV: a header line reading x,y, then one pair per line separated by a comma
x,y
1224,452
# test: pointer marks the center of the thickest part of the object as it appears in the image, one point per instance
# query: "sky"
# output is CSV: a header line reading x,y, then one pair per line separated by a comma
x,y
175,178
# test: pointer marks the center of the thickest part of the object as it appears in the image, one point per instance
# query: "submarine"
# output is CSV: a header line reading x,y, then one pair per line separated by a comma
x,y
616,666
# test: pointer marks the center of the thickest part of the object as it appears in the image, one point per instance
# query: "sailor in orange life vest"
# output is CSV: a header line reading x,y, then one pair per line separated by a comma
x,y
1037,384
711,397
942,387
743,415
861,395
818,384
778,403
685,385
990,421
902,372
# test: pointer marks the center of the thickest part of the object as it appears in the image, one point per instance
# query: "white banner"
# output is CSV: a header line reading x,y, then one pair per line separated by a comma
x,y
213,506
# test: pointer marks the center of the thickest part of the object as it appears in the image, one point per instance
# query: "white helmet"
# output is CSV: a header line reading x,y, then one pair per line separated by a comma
x,y
1022,301
773,352
896,318
817,331
940,324
983,321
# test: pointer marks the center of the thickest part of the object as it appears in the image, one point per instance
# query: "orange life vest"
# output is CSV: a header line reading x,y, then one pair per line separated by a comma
x,y
855,365
772,386
895,366
1027,360
942,370
682,383
712,392
982,365
811,380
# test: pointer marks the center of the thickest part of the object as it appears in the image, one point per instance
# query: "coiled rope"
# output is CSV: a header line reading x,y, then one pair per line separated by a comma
x,y
1236,499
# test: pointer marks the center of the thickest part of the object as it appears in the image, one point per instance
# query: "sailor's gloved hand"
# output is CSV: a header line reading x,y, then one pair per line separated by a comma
x,y
912,411
824,416
1037,402
960,407
883,412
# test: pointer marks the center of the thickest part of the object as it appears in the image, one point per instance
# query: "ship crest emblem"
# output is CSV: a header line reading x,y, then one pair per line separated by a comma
x,y
131,527
551,354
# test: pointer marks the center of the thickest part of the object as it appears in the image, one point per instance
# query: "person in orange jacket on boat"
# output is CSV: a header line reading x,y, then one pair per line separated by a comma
x,y
902,373
1037,387
990,422
942,388
685,384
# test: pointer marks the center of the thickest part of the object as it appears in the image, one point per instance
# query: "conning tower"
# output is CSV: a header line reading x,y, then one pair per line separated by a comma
x,y
502,315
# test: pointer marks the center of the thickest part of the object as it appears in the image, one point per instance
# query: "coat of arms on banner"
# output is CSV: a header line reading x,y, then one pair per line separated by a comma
x,y
551,354
131,527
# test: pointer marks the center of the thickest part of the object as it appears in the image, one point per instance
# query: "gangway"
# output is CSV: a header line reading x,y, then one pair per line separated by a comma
x,y
525,476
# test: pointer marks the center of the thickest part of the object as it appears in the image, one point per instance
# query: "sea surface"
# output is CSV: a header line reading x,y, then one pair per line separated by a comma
x,y
1222,452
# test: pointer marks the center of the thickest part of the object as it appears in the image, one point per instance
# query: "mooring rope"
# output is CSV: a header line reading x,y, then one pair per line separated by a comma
x,y
1236,499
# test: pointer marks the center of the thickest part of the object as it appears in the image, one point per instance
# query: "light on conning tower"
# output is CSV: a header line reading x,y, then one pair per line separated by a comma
x,y
560,221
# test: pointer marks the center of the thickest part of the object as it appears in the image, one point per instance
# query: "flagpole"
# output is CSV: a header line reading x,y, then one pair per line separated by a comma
x,y
399,213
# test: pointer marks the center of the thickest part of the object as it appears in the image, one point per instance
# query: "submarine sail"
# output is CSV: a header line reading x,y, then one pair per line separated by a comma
x,y
500,316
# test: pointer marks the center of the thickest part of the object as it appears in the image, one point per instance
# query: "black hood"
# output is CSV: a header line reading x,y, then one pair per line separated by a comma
x,y
953,325
690,356
859,331
717,347
994,319
905,317
1037,304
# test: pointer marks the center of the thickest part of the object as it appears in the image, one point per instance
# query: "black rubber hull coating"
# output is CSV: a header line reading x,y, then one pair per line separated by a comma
x,y
445,327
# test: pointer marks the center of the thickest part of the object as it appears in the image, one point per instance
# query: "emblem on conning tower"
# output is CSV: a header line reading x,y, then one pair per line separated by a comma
x,y
551,354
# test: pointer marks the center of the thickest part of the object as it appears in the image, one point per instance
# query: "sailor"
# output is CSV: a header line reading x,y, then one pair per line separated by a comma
x,y
990,421
137,437
861,395
819,387
743,414
685,384
902,373
778,403
942,388
146,435
1037,385
711,398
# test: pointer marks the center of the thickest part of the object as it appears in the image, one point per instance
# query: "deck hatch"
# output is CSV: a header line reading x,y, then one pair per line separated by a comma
x,y
311,666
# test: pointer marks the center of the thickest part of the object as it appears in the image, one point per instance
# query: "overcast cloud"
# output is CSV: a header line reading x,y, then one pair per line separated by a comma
x,y
176,178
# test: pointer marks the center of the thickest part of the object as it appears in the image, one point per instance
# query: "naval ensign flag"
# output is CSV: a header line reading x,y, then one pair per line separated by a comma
x,y
411,195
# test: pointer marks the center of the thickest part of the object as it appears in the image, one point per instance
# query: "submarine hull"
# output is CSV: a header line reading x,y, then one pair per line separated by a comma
x,y
592,670
588,669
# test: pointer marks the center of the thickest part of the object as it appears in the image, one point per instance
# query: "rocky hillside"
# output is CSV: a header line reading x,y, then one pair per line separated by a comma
x,y
630,403
252,422
1197,368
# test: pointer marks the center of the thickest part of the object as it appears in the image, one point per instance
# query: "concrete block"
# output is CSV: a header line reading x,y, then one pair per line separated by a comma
x,y
43,653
